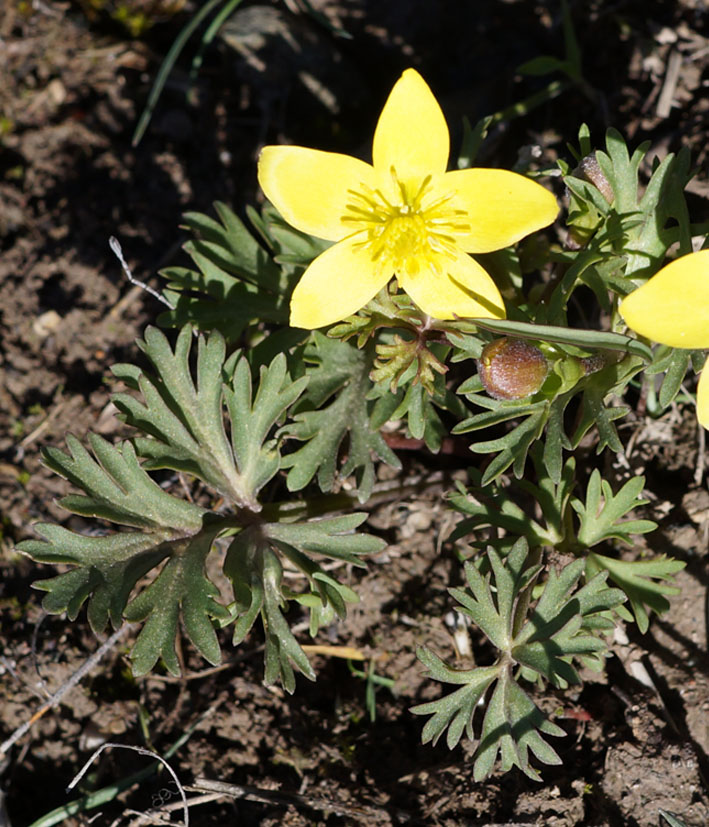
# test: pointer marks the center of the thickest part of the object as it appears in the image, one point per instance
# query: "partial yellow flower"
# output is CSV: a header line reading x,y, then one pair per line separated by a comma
x,y
672,308
402,216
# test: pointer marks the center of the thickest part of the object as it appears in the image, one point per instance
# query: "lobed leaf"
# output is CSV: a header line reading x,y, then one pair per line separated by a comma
x,y
338,374
252,418
600,516
118,488
107,570
556,629
181,590
645,582
236,282
255,569
185,417
511,729
561,627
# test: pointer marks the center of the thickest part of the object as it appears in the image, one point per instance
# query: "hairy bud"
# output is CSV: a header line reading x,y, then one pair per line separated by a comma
x,y
591,171
512,368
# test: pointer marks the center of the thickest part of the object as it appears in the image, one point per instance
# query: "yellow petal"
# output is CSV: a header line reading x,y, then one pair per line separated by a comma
x,y
463,289
703,397
338,283
411,135
310,188
501,207
673,306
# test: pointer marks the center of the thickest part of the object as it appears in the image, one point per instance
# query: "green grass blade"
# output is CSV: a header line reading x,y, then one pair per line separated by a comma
x,y
166,67
210,34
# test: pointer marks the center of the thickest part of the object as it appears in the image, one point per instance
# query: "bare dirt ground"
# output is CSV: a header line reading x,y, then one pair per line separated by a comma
x,y
70,94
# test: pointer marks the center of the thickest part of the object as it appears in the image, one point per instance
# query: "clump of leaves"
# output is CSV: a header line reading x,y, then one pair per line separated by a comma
x,y
538,642
220,430
265,424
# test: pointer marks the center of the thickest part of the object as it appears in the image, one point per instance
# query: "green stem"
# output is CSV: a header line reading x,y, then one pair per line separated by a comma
x,y
517,110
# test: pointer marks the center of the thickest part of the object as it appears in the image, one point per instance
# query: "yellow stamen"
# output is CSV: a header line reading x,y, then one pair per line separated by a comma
x,y
413,235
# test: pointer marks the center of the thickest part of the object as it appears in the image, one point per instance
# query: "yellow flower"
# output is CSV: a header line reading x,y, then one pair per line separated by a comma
x,y
403,215
673,308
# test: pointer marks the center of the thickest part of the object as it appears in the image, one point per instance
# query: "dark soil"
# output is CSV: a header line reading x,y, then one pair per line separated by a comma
x,y
70,94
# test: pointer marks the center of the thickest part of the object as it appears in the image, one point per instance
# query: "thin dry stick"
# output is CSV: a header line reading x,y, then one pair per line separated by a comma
x,y
669,87
115,246
279,797
141,751
86,667
156,815
701,455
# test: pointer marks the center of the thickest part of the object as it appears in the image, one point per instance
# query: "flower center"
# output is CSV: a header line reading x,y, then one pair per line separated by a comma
x,y
413,233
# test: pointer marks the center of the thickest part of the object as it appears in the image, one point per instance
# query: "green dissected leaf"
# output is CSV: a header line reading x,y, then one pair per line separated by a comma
x,y
663,199
494,505
627,238
236,281
600,516
229,244
118,488
561,627
599,388
674,363
644,219
512,448
493,612
563,623
338,374
108,568
185,418
256,572
252,418
181,590
454,713
512,727
511,723
642,582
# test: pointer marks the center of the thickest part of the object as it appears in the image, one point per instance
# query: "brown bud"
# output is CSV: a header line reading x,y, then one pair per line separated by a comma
x,y
512,368
591,171
592,364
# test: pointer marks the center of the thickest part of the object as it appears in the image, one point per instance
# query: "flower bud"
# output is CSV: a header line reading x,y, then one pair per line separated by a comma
x,y
591,171
512,368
